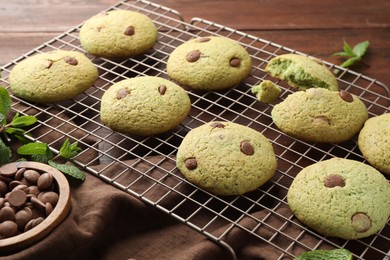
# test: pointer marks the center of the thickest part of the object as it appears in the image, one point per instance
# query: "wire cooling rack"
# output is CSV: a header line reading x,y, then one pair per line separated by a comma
x,y
145,167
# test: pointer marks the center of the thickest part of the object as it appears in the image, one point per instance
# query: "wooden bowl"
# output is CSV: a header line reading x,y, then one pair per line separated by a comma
x,y
60,211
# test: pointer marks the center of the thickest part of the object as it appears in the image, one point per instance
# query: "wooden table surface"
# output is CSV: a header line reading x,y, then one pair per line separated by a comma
x,y
316,28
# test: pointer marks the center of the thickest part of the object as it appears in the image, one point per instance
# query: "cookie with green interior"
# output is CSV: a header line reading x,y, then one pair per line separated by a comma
x,y
209,63
320,115
301,72
335,254
266,91
52,76
226,158
341,198
118,34
374,142
144,106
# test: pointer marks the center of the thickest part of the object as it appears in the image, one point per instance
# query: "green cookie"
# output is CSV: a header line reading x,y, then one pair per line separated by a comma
x,y
144,106
209,63
118,34
374,142
52,76
320,115
341,198
226,158
301,72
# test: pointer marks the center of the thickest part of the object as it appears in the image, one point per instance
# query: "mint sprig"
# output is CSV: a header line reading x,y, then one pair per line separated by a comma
x,y
353,54
35,151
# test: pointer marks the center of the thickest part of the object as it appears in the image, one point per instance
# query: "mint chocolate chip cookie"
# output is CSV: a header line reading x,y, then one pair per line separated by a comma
x,y
52,76
144,106
374,142
118,34
226,158
209,63
341,198
301,72
320,115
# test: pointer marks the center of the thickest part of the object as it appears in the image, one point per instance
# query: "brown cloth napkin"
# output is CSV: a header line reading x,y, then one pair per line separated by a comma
x,y
108,223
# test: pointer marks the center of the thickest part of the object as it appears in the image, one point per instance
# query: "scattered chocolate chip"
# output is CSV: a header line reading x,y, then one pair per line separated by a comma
x,y
346,96
70,60
162,89
235,62
361,222
322,119
203,39
122,93
191,163
129,31
193,56
217,125
334,180
246,148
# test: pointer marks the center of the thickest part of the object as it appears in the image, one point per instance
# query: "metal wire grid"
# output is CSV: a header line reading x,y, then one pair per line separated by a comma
x,y
145,167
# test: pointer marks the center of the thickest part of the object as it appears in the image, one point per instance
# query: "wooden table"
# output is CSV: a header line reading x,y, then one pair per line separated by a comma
x,y
317,29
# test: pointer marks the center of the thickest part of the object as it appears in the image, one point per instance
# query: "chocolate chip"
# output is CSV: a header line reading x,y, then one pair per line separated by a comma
x,y
8,229
45,181
129,31
70,60
246,148
49,64
334,180
122,93
17,198
346,96
193,56
8,170
235,62
361,222
191,163
203,39
32,176
162,89
7,213
322,119
217,125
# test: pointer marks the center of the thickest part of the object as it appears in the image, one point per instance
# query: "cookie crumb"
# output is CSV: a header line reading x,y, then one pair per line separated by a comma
x,y
266,91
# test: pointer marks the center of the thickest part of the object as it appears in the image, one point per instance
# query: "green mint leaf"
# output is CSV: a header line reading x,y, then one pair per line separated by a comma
x,y
14,131
350,62
348,50
69,170
33,149
42,158
68,150
5,101
341,54
23,121
3,119
5,153
361,48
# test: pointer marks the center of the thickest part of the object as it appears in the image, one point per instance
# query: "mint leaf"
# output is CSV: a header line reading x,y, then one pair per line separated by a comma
x,y
347,49
33,149
350,62
68,150
361,48
5,153
23,121
69,170
5,101
43,158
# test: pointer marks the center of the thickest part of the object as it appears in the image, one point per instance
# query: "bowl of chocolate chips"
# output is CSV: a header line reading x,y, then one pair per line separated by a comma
x,y
34,199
